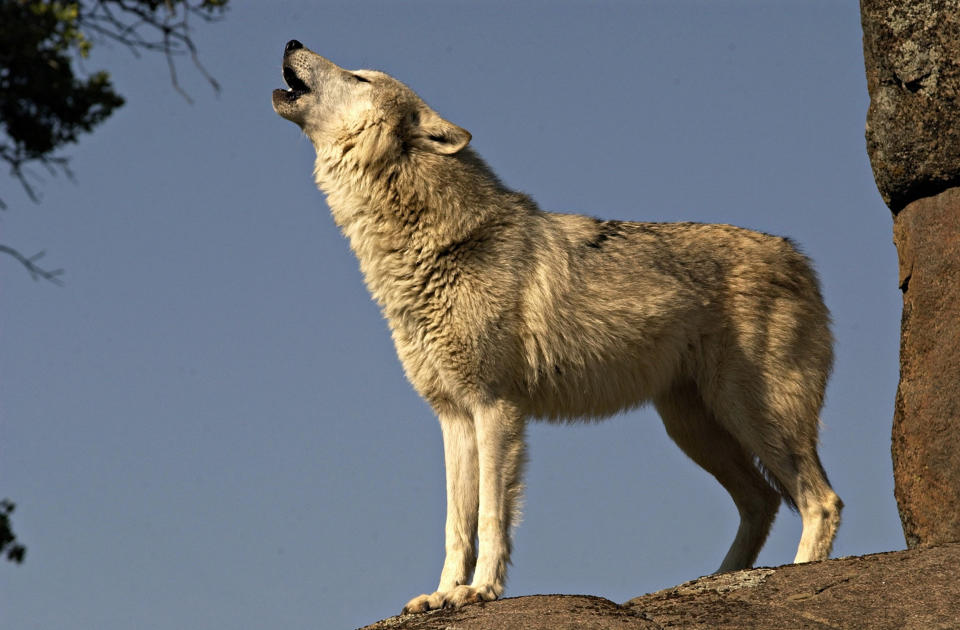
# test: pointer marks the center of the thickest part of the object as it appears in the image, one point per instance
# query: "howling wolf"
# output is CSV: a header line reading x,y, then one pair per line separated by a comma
x,y
501,312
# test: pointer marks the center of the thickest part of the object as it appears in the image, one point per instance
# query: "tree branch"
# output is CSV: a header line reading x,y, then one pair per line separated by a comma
x,y
30,262
139,25
19,169
167,31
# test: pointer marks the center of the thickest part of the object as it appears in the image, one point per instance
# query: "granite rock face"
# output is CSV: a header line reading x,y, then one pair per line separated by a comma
x,y
904,590
911,51
926,422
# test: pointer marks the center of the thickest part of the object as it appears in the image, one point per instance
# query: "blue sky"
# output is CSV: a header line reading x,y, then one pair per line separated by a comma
x,y
207,426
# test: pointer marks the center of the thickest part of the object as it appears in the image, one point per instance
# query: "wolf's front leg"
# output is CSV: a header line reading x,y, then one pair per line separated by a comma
x,y
501,455
460,459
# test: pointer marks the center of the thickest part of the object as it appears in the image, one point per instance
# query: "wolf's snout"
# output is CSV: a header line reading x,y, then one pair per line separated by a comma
x,y
284,101
291,46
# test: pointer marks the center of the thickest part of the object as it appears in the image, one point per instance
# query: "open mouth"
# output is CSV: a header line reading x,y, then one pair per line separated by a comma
x,y
297,86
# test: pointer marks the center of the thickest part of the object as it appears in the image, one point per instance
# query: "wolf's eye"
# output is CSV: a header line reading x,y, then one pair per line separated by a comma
x,y
359,79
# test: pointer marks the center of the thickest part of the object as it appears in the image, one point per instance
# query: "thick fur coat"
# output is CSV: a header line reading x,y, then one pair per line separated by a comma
x,y
502,312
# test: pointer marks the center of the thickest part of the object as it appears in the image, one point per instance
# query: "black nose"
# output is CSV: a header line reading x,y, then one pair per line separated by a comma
x,y
291,46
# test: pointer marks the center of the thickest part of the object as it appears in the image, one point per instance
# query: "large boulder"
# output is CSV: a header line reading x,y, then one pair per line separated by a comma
x,y
912,54
903,590
926,422
911,50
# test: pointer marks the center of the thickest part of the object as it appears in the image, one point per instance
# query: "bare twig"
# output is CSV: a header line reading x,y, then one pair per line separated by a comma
x,y
19,168
166,31
173,68
195,57
30,262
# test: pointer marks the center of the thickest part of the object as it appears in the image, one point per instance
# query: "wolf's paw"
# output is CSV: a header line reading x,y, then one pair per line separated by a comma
x,y
463,595
423,603
455,598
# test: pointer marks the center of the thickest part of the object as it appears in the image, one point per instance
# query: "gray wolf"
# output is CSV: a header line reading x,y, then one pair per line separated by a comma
x,y
502,312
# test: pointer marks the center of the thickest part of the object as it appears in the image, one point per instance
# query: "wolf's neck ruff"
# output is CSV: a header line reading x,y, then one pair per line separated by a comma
x,y
403,218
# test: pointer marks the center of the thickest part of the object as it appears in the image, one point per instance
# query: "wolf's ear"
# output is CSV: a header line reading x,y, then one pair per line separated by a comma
x,y
430,132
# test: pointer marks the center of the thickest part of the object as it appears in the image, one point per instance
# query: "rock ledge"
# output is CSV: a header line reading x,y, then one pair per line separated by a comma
x,y
913,589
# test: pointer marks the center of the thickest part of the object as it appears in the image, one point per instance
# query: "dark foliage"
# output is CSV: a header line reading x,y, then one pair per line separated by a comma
x,y
9,547
47,104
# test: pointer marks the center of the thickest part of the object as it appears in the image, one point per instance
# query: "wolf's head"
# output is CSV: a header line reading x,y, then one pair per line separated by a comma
x,y
335,106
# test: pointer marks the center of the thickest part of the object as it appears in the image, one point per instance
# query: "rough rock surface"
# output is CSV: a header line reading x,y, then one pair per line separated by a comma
x,y
926,423
911,50
913,590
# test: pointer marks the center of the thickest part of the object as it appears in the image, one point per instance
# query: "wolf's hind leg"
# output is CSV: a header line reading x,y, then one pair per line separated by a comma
x,y
698,433
780,428
800,474
460,460
819,508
